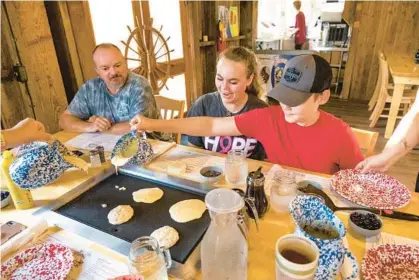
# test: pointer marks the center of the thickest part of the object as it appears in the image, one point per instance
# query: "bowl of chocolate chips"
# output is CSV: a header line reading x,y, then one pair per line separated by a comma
x,y
211,174
365,223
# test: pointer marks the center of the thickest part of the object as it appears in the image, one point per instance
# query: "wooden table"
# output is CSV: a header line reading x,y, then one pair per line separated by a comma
x,y
404,72
261,261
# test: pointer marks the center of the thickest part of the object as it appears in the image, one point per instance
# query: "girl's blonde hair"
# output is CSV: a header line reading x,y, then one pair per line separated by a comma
x,y
248,58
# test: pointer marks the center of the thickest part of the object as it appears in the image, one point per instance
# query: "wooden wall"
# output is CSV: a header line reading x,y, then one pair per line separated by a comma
x,y
53,41
392,27
26,29
199,18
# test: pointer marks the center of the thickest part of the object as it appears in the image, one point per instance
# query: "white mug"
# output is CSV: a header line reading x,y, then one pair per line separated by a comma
x,y
288,267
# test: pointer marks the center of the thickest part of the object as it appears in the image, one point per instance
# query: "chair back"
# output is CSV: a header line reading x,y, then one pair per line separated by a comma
x,y
366,140
384,73
170,109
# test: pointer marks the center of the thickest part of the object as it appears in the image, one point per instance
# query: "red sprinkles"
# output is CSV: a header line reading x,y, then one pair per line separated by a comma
x,y
372,189
391,262
44,262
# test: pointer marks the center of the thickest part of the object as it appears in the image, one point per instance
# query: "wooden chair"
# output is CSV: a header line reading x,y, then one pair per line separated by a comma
x,y
170,109
374,98
366,140
384,96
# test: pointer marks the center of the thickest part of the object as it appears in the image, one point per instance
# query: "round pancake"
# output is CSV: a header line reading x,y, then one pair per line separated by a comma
x,y
187,210
148,195
166,236
120,214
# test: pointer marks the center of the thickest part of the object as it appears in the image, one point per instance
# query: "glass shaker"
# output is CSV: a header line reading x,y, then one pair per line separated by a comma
x,y
255,191
283,190
236,167
147,259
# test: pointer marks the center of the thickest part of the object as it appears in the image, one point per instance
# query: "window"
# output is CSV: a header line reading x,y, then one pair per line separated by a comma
x,y
111,18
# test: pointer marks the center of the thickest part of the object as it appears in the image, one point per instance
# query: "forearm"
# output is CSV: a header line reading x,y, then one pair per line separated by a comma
x,y
119,128
71,123
196,126
407,131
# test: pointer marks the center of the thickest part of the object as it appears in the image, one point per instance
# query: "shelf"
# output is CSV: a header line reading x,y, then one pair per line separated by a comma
x,y
236,38
206,44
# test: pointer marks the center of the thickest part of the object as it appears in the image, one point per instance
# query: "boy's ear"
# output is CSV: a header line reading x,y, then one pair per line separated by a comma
x,y
324,97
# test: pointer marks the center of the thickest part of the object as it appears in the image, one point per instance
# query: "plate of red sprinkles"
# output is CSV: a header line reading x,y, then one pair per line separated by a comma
x,y
371,189
49,261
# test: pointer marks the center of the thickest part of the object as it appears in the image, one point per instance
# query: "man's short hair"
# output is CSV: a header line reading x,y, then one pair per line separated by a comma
x,y
297,4
105,46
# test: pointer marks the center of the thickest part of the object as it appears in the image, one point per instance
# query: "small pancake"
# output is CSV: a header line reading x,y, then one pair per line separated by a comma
x,y
149,195
120,214
166,236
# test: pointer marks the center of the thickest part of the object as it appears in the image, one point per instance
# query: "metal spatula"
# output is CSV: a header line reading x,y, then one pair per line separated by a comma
x,y
329,203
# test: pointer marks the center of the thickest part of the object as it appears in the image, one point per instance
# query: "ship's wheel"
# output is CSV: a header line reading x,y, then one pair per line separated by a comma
x,y
148,54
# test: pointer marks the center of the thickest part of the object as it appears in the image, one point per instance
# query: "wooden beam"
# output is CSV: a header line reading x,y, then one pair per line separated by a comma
x,y
177,66
190,39
30,27
65,46
82,26
16,104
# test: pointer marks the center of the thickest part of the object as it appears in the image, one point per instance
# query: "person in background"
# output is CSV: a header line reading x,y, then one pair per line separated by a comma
x,y
295,133
24,132
107,103
238,91
403,140
300,23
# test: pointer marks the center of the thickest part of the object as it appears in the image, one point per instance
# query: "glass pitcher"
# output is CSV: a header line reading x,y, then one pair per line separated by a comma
x,y
283,190
147,259
236,167
224,246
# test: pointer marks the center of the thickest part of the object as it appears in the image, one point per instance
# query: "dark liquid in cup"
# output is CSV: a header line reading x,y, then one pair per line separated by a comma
x,y
295,257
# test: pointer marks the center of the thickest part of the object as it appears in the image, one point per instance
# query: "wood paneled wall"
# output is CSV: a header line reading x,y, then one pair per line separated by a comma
x,y
44,89
391,27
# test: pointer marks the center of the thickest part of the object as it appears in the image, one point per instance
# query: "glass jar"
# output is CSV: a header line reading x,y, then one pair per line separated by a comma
x,y
236,167
283,190
147,259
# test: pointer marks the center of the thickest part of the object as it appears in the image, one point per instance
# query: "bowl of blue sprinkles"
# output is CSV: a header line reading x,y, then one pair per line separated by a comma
x,y
365,223
5,198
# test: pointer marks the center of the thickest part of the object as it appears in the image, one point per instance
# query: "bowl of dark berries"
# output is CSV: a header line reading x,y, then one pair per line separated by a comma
x,y
365,223
211,174
5,198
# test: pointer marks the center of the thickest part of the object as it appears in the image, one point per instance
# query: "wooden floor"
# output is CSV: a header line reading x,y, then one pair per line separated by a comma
x,y
356,114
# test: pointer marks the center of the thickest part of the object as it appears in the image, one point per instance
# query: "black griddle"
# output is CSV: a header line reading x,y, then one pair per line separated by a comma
x,y
87,209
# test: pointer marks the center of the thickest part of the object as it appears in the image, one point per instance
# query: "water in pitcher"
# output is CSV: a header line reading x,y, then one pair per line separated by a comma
x,y
224,246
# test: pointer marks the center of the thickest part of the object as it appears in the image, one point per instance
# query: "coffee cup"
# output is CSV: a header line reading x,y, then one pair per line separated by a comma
x,y
296,258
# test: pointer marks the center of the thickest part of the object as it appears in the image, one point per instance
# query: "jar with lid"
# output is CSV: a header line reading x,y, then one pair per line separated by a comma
x,y
283,190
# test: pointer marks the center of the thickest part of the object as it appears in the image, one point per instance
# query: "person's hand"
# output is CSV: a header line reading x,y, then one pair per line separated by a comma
x,y
137,123
97,123
32,130
380,162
